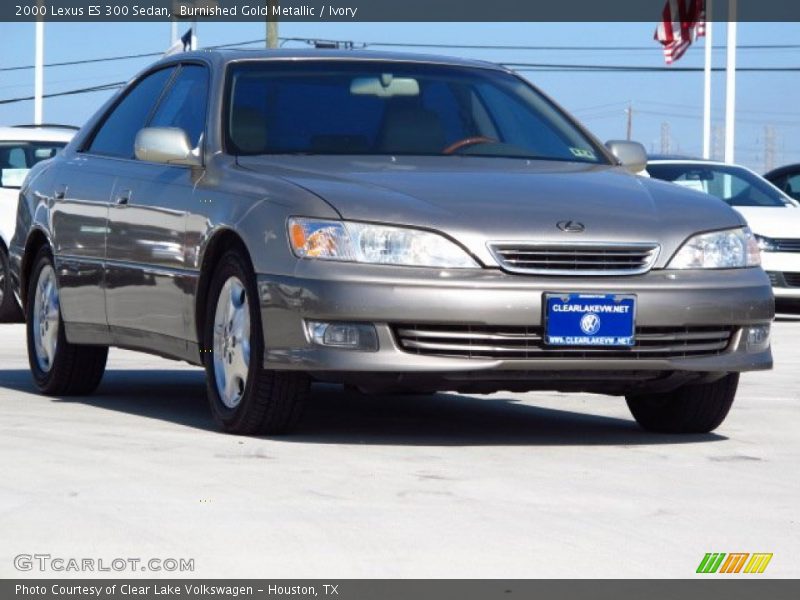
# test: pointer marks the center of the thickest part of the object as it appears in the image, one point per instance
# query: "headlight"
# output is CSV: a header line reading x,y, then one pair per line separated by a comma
x,y
766,244
729,249
377,244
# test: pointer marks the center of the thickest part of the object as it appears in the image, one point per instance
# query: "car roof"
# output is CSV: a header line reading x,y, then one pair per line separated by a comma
x,y
692,161
229,55
793,168
674,157
25,133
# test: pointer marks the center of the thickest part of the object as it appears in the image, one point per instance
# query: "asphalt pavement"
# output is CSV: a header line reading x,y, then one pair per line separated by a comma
x,y
502,486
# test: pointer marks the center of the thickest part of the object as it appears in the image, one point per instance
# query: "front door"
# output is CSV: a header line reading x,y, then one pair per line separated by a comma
x,y
84,187
149,287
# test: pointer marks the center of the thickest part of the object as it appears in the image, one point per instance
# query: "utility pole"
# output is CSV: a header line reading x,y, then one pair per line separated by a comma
x,y
769,148
272,26
707,83
717,141
629,110
730,84
38,73
666,138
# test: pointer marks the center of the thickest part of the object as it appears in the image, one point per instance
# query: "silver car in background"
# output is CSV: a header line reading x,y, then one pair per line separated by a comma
x,y
391,222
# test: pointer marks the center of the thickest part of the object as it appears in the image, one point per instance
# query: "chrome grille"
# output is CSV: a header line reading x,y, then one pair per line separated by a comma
x,y
575,258
787,245
499,342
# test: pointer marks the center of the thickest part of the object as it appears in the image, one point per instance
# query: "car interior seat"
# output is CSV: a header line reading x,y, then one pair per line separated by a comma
x,y
410,129
249,130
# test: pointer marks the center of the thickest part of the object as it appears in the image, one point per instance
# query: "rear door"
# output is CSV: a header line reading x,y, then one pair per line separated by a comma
x,y
149,286
82,196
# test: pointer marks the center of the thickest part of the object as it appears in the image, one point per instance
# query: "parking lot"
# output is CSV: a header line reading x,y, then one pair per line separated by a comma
x,y
509,485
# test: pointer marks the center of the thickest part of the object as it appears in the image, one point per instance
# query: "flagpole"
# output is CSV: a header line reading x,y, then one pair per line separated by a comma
x,y
707,83
38,76
730,84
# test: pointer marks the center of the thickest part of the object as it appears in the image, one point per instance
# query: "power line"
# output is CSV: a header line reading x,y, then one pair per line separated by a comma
x,y
519,66
559,48
546,67
525,66
85,90
352,44
85,61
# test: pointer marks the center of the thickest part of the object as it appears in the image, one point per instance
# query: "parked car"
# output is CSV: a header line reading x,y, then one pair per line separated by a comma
x,y
21,147
386,221
787,179
772,215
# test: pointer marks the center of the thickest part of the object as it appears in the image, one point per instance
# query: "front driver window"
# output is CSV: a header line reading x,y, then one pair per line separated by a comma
x,y
117,134
184,105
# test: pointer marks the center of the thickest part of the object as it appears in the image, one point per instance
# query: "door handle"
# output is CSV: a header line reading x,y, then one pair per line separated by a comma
x,y
123,198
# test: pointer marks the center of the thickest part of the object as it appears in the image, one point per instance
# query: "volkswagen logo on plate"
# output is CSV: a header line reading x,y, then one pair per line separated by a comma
x,y
590,323
571,226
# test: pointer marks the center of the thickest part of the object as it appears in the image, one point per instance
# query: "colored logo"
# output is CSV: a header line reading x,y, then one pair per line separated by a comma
x,y
735,562
590,323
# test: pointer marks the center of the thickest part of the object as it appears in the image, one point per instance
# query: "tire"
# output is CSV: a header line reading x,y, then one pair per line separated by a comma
x,y
245,398
699,408
10,311
68,369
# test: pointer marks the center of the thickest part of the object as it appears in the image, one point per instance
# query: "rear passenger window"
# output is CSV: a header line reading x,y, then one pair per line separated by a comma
x,y
184,105
117,134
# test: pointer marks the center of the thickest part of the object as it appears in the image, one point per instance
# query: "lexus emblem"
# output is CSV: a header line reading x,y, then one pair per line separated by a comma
x,y
571,226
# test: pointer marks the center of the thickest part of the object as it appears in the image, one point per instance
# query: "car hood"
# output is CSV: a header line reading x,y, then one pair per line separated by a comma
x,y
774,222
476,200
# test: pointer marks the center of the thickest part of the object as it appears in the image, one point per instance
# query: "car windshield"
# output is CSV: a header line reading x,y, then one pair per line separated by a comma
x,y
734,185
17,158
388,108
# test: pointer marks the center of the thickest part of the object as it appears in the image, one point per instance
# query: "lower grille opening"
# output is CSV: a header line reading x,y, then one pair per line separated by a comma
x,y
510,342
792,279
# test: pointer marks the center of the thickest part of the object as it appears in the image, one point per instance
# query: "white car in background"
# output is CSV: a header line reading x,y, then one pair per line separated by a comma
x,y
21,147
773,216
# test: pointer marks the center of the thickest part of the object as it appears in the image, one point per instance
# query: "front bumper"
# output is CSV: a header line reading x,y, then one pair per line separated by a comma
x,y
385,296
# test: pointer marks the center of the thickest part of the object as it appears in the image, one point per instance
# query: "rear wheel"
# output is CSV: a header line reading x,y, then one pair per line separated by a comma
x,y
245,397
59,368
689,409
9,309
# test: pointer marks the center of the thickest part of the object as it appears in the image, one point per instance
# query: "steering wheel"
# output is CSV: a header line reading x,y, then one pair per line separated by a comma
x,y
468,141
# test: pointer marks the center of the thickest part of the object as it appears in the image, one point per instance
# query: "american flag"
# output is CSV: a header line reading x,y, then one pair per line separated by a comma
x,y
682,22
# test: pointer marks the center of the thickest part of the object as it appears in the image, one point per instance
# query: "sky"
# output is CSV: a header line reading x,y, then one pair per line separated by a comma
x,y
598,100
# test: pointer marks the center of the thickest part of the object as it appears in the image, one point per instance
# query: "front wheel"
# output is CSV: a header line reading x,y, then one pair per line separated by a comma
x,y
698,408
59,368
245,397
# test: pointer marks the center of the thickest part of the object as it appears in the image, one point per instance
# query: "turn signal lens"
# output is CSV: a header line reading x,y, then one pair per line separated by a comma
x,y
375,244
319,239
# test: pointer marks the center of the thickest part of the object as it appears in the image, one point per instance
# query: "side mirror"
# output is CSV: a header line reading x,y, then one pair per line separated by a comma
x,y
168,145
631,155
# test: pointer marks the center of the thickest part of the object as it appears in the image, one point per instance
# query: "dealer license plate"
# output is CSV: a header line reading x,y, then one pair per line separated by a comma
x,y
590,319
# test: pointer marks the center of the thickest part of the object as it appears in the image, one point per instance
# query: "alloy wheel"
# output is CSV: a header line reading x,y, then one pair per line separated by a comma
x,y
46,318
232,342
